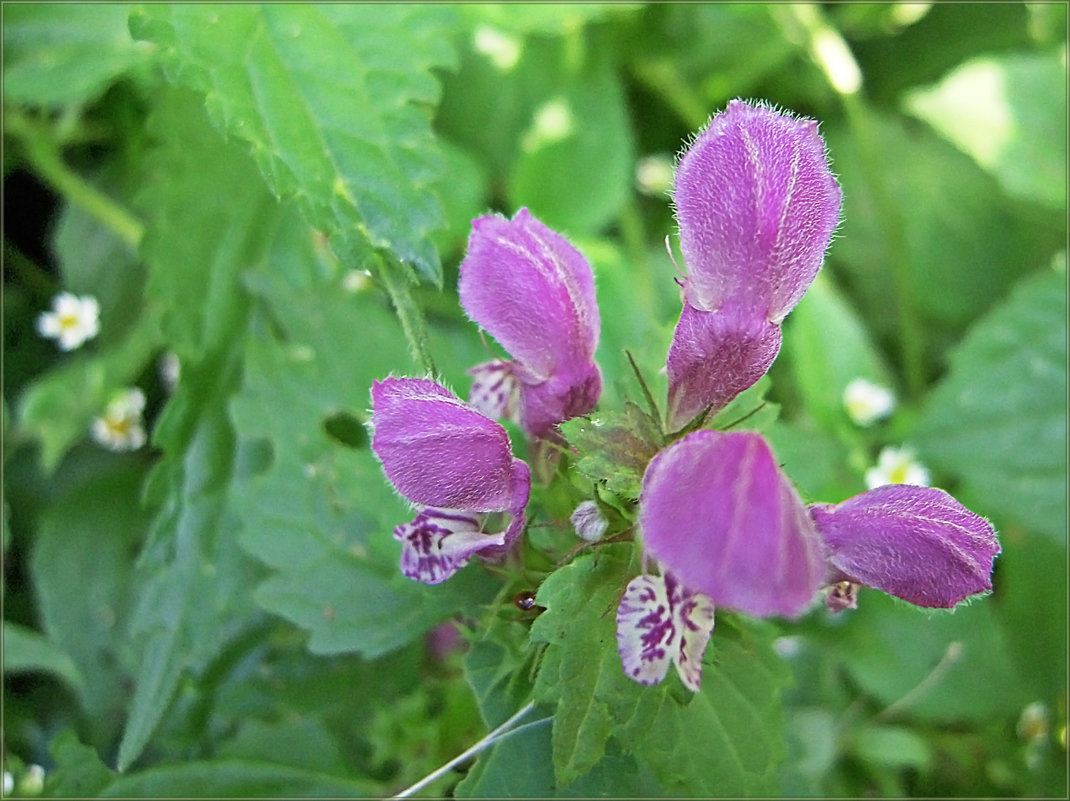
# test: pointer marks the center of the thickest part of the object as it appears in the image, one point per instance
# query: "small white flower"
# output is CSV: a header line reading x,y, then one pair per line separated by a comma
x,y
72,320
589,522
897,466
9,782
867,402
121,427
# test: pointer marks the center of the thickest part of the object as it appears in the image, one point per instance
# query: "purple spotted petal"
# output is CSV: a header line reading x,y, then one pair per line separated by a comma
x,y
534,293
756,204
716,511
439,542
495,389
646,633
916,543
439,451
714,356
693,616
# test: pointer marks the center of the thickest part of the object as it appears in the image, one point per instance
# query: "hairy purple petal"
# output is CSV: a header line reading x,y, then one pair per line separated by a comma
x,y
439,451
756,204
916,543
534,293
439,542
716,511
714,356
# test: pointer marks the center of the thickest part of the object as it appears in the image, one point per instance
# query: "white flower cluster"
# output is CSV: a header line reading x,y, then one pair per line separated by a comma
x,y
866,403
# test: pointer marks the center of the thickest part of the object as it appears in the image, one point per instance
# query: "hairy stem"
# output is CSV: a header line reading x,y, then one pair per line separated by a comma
x,y
398,286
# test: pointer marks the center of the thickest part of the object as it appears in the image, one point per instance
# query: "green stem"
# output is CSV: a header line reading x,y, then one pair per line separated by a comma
x,y
833,56
43,155
397,285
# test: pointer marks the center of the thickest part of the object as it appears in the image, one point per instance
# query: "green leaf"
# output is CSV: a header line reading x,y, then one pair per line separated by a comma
x,y
78,771
317,347
58,56
998,419
725,740
208,218
28,651
237,778
575,166
329,99
614,447
927,663
496,670
99,522
1009,113
827,346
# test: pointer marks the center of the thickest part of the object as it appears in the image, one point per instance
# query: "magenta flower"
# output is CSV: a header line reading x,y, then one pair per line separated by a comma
x,y
916,543
756,204
660,621
717,513
534,293
457,465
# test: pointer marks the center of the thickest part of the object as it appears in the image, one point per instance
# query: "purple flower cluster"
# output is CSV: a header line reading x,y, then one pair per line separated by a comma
x,y
756,205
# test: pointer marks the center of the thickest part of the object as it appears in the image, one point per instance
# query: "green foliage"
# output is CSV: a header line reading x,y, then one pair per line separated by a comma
x,y
998,420
278,196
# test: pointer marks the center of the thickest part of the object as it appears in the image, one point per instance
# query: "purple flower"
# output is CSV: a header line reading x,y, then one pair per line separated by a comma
x,y
916,543
660,621
534,293
446,457
716,512
756,204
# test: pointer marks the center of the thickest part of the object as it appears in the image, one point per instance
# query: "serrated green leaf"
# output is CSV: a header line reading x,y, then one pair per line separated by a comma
x,y
328,97
209,218
725,740
998,420
728,740
57,55
614,447
1008,112
496,670
316,348
28,651
580,671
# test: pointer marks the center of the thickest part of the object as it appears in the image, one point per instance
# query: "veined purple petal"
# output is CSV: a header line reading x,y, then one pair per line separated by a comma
x,y
439,451
716,511
693,615
646,633
916,543
756,204
439,542
714,356
534,292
